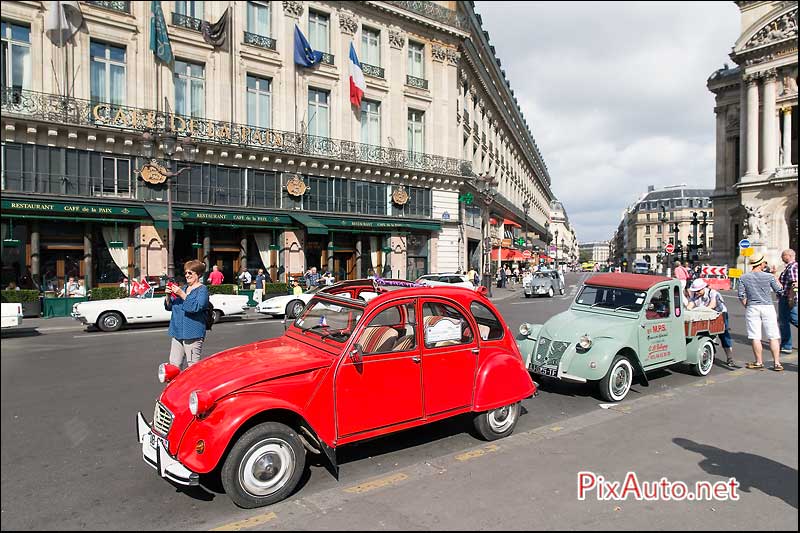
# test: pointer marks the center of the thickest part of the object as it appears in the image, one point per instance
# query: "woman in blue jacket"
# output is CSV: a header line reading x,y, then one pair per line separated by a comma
x,y
187,327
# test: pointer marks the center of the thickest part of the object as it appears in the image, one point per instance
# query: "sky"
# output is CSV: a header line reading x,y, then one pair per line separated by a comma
x,y
615,95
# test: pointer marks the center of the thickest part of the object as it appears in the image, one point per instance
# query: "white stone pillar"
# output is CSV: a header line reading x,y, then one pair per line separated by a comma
x,y
769,146
787,137
752,125
742,131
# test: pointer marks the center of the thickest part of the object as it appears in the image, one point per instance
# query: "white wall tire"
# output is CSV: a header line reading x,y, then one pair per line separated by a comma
x,y
706,359
550,292
617,382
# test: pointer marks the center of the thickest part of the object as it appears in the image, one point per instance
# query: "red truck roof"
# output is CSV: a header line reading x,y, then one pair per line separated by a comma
x,y
638,282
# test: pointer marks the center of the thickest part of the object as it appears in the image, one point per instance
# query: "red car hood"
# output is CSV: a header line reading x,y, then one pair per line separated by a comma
x,y
242,366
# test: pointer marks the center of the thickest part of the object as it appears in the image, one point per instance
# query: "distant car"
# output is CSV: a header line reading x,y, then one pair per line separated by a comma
x,y
543,283
288,305
112,315
446,280
12,315
641,267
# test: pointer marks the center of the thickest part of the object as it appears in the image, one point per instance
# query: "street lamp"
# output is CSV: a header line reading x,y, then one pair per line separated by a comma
x,y
556,243
487,187
155,173
693,246
526,205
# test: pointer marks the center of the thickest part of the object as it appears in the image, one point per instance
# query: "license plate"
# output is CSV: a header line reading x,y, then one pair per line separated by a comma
x,y
550,371
154,442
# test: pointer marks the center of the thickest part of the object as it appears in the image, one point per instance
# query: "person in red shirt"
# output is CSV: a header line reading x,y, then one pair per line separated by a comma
x,y
216,277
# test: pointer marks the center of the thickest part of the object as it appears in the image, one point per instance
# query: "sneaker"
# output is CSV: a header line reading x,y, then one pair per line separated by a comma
x,y
785,350
732,364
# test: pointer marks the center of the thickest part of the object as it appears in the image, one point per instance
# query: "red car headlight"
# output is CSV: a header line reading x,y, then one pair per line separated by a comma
x,y
167,372
199,403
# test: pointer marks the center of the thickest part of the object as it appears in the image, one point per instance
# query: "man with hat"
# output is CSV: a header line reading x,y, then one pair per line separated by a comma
x,y
701,295
755,293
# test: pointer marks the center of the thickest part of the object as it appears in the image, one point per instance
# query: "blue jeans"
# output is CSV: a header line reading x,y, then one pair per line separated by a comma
x,y
786,316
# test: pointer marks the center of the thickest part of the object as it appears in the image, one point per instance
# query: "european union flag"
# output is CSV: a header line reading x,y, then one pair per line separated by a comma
x,y
303,53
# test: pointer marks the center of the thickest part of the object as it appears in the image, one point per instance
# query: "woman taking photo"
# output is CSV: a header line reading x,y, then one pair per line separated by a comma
x,y
187,327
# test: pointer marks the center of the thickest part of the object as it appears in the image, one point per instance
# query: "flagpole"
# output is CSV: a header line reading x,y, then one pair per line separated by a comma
x,y
230,48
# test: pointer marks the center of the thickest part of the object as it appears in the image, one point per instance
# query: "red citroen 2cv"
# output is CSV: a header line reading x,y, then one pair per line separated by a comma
x,y
365,358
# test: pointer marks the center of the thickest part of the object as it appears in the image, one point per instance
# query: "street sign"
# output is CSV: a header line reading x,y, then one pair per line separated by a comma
x,y
746,252
735,272
744,243
669,248
526,254
714,271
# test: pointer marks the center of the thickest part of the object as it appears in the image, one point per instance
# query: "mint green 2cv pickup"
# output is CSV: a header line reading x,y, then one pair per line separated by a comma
x,y
621,326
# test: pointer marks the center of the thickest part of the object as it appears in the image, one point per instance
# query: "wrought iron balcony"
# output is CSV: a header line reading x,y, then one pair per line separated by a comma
x,y
185,21
327,58
122,7
433,11
419,83
56,109
261,41
373,71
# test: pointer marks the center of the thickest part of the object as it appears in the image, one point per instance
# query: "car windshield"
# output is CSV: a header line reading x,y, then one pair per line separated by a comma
x,y
329,318
539,275
611,298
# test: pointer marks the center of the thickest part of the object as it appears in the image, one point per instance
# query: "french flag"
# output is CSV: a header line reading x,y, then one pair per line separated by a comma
x,y
357,83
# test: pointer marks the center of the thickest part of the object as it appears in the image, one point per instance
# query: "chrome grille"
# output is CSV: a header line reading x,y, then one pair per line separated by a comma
x,y
542,349
162,419
549,352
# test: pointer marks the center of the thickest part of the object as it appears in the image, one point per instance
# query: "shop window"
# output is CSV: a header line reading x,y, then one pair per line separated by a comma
x,y
264,189
116,177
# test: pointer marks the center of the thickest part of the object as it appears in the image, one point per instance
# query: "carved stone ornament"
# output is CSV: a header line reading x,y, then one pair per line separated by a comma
x,y
400,196
293,8
438,52
348,22
397,39
154,173
453,56
783,27
296,186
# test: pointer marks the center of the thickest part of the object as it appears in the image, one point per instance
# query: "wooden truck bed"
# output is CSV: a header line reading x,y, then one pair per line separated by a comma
x,y
715,326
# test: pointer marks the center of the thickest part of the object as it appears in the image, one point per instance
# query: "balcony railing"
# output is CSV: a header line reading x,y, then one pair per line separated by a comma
x,y
327,58
185,21
122,7
259,40
433,11
372,70
55,109
419,83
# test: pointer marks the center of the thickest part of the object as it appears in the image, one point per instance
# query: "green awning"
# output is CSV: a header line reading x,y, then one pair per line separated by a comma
x,y
160,216
313,226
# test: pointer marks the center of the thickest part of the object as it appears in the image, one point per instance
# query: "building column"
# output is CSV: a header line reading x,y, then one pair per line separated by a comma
x,y
87,254
742,131
358,257
721,178
787,137
207,249
752,125
243,250
769,147
35,257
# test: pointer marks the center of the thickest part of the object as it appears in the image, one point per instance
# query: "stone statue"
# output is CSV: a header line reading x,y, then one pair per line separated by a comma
x,y
789,85
754,224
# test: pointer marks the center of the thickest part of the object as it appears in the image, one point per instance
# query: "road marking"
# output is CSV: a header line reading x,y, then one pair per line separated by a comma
x,y
376,484
477,453
555,428
137,332
248,522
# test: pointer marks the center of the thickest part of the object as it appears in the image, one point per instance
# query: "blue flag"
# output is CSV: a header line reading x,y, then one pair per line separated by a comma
x,y
303,53
159,38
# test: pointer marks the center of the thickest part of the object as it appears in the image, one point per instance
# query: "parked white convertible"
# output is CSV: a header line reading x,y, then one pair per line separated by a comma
x,y
111,315
288,305
12,315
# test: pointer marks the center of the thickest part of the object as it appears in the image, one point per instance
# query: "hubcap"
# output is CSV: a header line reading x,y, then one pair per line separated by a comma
x,y
266,467
111,321
298,308
707,360
501,419
619,382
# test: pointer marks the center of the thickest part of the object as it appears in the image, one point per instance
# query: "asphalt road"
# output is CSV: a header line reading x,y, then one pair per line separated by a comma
x,y
70,459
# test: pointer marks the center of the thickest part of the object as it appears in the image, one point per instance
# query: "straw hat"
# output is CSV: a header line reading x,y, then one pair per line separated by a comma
x,y
757,261
698,285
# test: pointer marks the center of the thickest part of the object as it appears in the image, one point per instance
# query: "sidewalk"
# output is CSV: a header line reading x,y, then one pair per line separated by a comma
x,y
741,425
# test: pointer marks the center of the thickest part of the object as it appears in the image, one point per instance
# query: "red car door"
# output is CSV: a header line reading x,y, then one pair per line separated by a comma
x,y
449,357
385,387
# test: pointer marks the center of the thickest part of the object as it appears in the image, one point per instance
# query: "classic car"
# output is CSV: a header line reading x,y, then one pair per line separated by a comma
x,y
620,325
445,280
112,315
11,314
346,370
543,283
291,306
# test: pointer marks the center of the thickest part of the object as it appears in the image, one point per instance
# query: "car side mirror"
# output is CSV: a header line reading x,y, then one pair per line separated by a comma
x,y
357,353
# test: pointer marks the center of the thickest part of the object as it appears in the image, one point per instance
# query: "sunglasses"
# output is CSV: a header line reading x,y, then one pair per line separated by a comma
x,y
190,273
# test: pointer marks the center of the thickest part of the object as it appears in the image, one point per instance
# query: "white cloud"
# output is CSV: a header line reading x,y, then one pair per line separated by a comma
x,y
615,94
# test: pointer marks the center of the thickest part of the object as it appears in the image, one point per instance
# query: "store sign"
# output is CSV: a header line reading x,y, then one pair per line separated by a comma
x,y
73,209
205,216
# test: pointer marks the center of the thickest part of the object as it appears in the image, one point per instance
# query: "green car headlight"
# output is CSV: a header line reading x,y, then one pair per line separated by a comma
x,y
585,343
525,329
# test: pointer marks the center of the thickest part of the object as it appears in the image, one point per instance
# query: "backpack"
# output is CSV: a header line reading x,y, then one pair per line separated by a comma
x,y
209,316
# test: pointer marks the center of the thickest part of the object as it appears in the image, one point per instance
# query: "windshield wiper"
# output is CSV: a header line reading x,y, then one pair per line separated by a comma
x,y
598,303
337,332
624,305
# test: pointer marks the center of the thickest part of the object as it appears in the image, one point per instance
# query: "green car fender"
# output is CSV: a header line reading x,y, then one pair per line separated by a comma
x,y
594,364
694,348
527,343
